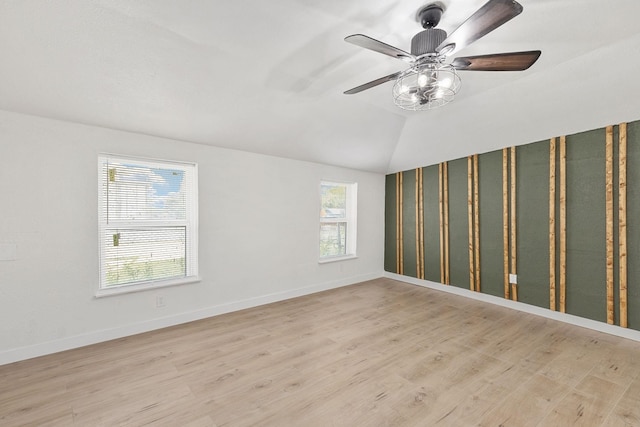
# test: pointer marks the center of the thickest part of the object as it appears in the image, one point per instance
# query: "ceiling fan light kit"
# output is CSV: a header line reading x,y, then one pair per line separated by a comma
x,y
431,81
426,86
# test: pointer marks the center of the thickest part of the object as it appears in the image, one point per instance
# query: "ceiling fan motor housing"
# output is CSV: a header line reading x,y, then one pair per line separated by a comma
x,y
427,41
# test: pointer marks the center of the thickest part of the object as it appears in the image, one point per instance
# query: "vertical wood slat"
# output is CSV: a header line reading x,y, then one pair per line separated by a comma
x,y
422,272
476,210
552,224
441,215
401,222
514,286
419,224
563,223
446,222
472,275
424,259
505,219
400,228
622,222
398,222
609,222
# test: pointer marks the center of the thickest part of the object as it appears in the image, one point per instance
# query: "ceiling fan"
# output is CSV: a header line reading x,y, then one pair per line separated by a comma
x,y
431,81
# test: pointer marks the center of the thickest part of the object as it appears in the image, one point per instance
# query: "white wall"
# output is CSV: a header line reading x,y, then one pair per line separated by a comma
x,y
258,235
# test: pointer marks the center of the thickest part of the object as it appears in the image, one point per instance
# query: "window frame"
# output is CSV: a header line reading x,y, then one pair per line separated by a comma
x,y
350,218
190,223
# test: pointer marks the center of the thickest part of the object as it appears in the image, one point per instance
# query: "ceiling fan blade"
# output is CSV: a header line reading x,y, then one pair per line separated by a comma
x,y
512,61
486,19
378,46
373,83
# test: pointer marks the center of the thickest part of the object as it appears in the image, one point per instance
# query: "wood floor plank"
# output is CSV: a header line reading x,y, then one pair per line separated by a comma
x,y
571,366
534,399
376,353
627,411
621,367
588,405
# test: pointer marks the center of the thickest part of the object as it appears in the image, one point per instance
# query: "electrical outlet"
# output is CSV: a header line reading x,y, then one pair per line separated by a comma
x,y
513,278
160,301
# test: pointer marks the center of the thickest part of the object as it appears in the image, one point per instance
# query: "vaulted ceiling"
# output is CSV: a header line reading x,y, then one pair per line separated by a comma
x,y
268,77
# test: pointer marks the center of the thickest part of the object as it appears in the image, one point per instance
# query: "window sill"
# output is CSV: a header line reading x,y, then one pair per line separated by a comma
x,y
336,259
127,289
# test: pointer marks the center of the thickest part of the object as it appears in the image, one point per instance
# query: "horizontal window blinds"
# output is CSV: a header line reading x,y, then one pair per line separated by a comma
x,y
133,255
337,219
148,221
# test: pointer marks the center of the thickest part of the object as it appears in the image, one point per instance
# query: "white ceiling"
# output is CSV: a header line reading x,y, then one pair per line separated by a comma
x,y
268,77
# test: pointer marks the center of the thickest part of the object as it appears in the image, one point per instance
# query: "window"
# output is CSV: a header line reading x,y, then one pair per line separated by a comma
x,y
337,220
148,214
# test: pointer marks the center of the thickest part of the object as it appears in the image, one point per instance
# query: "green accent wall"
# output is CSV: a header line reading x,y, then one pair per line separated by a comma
x,y
585,221
532,223
490,219
409,223
633,224
458,224
431,224
390,218
586,244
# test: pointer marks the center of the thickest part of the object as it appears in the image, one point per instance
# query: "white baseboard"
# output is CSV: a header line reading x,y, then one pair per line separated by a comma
x,y
50,347
631,334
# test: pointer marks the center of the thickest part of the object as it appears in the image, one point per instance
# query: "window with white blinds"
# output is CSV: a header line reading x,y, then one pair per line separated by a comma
x,y
148,212
338,204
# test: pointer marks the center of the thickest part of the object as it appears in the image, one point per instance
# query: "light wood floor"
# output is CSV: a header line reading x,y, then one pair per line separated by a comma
x,y
380,353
